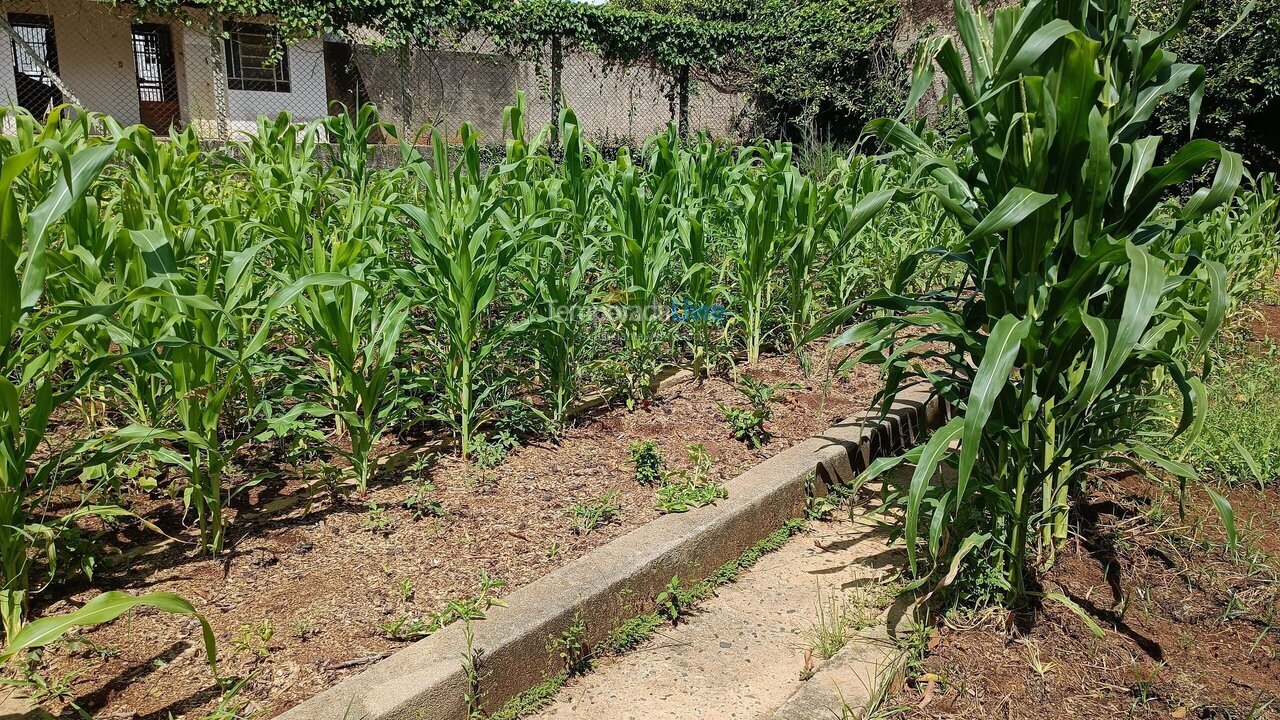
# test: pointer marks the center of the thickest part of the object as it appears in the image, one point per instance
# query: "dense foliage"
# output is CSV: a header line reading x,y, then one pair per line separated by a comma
x,y
1238,43
824,65
816,66
617,34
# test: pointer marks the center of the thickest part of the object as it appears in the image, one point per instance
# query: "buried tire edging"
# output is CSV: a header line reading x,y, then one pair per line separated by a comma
x,y
429,680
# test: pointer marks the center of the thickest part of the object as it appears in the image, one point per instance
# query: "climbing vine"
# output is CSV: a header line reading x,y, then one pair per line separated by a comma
x,y
518,28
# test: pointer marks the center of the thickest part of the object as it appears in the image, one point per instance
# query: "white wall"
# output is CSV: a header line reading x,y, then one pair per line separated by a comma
x,y
307,98
95,55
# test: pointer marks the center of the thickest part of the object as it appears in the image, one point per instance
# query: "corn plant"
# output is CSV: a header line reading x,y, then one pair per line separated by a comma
x,y
357,333
343,301
50,179
1242,236
639,243
766,229
462,242
697,304
557,263
202,308
29,372
809,214
1075,306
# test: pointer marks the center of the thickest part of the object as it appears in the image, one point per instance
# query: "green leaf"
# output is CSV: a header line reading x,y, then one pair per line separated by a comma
x,y
1012,209
1002,348
931,455
1228,516
103,609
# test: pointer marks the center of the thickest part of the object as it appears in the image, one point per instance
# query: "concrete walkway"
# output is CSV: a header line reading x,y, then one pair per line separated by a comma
x,y
744,654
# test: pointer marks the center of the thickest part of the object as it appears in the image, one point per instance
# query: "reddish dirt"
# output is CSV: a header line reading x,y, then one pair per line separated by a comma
x,y
325,581
1190,631
1266,324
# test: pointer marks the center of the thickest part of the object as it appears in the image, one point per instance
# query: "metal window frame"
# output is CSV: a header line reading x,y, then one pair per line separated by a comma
x,y
236,79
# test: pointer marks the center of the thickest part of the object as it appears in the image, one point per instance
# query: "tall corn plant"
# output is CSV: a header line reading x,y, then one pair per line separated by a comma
x,y
193,296
809,214
462,243
40,179
1075,307
762,238
341,294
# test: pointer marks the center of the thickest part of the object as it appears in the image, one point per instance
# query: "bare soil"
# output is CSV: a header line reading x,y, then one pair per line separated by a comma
x,y
1190,631
323,579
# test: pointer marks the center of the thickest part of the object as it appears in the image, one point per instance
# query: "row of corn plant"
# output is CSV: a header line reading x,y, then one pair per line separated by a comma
x,y
46,180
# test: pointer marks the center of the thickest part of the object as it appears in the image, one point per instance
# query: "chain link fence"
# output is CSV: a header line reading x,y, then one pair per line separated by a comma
x,y
220,74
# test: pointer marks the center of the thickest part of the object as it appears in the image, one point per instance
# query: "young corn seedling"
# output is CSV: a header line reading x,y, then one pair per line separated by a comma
x,y
639,253
347,310
762,239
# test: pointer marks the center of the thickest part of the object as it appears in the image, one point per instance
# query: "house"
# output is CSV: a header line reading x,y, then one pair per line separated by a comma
x,y
162,70
155,70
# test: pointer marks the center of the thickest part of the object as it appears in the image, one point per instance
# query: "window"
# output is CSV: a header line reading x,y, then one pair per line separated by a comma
x,y
35,89
256,58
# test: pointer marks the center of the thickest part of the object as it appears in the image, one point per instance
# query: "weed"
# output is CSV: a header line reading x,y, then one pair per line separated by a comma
x,y
532,699
302,628
254,639
748,425
685,490
408,627
422,501
1038,666
648,462
490,452
571,647
1240,442
839,616
630,633
377,519
404,589
670,602
471,658
593,514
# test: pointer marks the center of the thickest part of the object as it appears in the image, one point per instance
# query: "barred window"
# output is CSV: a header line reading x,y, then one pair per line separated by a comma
x,y
257,59
36,91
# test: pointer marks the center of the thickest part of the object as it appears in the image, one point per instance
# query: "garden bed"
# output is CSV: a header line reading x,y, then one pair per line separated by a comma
x,y
307,599
1190,631
1190,626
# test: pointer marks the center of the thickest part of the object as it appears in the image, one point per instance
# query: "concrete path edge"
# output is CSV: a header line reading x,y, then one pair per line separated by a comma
x,y
427,680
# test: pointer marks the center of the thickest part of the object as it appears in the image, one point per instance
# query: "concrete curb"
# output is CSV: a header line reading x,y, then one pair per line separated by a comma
x,y
426,680
857,678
